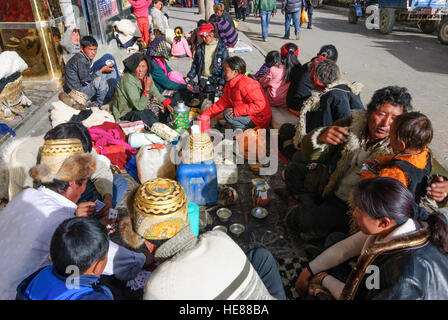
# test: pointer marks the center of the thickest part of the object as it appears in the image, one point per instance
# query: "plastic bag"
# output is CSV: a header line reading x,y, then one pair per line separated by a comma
x,y
252,143
304,16
154,161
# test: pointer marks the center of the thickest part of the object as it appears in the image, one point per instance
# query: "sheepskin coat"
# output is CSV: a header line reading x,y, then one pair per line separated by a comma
x,y
325,107
211,266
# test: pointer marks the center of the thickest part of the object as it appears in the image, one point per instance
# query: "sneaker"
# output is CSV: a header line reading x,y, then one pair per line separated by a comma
x,y
309,27
298,35
265,39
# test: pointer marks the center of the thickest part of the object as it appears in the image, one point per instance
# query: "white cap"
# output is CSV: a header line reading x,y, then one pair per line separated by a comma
x,y
195,129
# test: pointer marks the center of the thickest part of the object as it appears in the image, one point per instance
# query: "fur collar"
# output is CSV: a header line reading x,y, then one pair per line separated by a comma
x,y
182,241
356,140
313,104
409,241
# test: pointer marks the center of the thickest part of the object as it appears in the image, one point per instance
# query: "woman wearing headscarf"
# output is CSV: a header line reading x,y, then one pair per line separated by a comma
x,y
164,77
137,97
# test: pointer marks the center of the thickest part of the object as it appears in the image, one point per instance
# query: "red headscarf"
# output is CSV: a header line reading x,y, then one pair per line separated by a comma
x,y
284,51
314,80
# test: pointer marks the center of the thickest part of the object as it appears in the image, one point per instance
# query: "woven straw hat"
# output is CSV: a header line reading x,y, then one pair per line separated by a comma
x,y
79,97
199,148
65,160
160,209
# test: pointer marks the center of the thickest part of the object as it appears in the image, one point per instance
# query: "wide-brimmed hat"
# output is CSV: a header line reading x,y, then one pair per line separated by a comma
x,y
64,160
158,210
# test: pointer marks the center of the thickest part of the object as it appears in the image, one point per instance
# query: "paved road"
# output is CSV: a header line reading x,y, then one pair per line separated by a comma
x,y
406,57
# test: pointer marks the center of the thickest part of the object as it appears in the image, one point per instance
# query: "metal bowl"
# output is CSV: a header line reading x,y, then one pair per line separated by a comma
x,y
237,229
220,228
224,214
259,212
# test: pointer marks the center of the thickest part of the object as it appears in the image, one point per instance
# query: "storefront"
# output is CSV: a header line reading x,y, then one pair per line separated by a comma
x,y
33,29
95,17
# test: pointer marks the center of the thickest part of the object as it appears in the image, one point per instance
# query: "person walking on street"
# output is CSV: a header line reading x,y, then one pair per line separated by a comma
x,y
292,9
266,9
309,10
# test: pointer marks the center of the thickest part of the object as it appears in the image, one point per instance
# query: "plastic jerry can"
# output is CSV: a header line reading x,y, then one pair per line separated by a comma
x,y
227,171
200,182
154,161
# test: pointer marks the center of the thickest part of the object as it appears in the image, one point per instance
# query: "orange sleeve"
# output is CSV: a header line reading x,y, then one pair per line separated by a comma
x,y
396,173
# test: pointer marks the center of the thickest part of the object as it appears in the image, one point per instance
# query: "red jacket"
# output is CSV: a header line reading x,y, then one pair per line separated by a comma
x,y
247,98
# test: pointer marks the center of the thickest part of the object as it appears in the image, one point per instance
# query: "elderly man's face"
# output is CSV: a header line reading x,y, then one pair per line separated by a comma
x,y
381,120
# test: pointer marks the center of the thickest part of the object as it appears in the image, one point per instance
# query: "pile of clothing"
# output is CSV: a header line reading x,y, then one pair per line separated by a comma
x,y
11,95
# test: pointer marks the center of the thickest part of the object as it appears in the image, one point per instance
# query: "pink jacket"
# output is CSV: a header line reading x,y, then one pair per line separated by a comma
x,y
275,86
180,48
103,138
140,7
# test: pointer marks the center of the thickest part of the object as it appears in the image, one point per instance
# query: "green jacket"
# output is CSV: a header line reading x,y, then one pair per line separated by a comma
x,y
265,5
161,81
129,96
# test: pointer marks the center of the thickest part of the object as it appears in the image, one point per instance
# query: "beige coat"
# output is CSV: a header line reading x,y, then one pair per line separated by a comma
x,y
25,155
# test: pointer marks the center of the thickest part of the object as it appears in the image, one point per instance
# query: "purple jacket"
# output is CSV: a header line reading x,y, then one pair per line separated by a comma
x,y
227,32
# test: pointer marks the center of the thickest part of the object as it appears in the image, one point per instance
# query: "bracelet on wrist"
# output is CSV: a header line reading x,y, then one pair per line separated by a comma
x,y
309,270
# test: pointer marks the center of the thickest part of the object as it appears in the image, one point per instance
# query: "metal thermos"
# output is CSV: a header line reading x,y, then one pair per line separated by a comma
x,y
181,112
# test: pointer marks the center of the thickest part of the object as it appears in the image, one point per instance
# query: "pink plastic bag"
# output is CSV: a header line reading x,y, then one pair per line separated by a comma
x,y
176,77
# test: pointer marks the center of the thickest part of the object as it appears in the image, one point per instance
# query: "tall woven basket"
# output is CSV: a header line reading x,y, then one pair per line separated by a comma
x,y
11,96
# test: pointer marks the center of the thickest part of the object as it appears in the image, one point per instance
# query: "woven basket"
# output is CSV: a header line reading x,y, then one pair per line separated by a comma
x,y
11,95
12,92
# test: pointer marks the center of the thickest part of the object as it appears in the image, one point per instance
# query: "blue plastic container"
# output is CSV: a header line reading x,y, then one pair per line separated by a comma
x,y
199,181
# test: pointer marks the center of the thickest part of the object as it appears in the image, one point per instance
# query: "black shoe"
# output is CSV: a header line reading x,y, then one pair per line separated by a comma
x,y
309,27
285,37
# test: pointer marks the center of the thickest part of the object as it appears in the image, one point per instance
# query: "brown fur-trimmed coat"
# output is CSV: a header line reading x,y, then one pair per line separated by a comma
x,y
410,268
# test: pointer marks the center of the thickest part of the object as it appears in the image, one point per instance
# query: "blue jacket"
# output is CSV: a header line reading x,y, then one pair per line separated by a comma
x,y
290,6
47,284
221,54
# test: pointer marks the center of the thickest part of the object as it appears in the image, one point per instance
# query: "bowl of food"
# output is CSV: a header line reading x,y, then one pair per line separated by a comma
x,y
220,228
259,212
224,214
237,229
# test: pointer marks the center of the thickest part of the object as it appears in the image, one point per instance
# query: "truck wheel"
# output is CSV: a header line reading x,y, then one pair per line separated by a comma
x,y
443,32
428,27
352,17
387,20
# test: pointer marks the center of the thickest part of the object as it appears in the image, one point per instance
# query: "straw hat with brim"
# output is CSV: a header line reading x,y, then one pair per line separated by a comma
x,y
158,211
79,97
64,160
